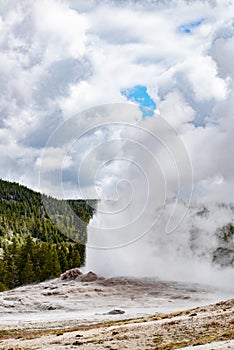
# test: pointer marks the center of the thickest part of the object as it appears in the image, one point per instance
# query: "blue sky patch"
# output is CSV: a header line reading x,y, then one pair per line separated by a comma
x,y
188,28
139,95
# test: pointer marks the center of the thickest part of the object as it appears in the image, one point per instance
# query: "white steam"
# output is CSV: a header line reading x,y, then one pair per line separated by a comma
x,y
196,98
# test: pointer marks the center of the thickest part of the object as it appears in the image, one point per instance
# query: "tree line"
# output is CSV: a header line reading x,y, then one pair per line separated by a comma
x,y
35,261
35,246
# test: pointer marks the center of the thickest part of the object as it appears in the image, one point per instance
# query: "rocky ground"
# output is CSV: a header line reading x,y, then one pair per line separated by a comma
x,y
88,312
214,323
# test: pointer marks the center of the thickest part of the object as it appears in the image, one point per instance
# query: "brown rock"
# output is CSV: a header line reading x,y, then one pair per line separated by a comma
x,y
89,277
71,274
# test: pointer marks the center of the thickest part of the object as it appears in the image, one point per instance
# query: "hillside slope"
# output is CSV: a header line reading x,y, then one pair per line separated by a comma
x,y
34,245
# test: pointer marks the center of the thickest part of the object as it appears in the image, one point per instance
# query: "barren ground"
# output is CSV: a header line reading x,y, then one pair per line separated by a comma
x,y
70,314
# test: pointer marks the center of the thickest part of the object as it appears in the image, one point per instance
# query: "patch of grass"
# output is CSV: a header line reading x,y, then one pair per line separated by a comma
x,y
158,340
227,335
59,333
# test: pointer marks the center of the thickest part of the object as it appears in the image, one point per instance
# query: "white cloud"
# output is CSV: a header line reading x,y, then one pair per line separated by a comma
x,y
56,23
203,76
176,110
60,57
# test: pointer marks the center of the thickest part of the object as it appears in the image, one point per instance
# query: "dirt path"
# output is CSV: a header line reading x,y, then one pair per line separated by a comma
x,y
162,332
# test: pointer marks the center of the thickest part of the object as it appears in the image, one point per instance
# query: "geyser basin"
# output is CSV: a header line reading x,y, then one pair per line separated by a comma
x,y
61,303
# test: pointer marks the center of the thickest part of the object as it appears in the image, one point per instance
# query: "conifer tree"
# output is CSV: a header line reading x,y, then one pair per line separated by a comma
x,y
3,286
55,268
62,255
28,275
76,261
11,271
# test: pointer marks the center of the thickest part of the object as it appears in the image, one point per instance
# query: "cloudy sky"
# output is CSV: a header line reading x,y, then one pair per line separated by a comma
x,y
170,58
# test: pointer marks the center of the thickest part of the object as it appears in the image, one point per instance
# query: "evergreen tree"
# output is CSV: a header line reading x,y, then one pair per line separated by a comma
x,y
76,256
62,255
51,267
81,248
28,275
70,257
11,272
55,267
3,286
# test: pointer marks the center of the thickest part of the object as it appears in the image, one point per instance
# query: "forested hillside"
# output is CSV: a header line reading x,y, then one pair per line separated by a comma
x,y
35,246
